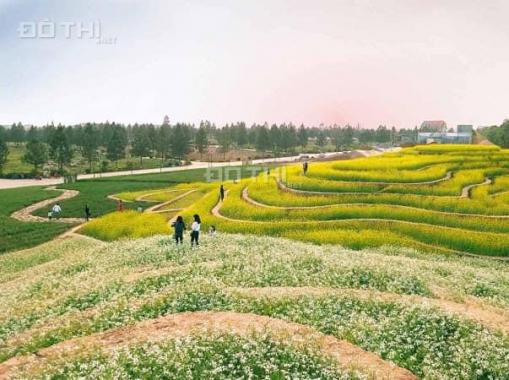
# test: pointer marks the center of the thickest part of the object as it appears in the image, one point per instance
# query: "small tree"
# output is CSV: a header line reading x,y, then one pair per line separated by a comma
x,y
36,154
4,152
89,143
116,145
60,149
303,136
141,144
164,141
201,140
263,139
224,139
181,141
321,139
241,135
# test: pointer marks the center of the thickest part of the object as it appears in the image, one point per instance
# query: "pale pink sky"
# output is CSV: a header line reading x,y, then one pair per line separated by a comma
x,y
340,61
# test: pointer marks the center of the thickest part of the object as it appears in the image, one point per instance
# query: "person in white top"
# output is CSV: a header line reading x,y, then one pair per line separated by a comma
x,y
195,230
56,211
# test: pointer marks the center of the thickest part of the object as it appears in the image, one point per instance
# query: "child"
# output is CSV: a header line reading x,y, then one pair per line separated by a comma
x,y
50,214
195,230
212,230
179,227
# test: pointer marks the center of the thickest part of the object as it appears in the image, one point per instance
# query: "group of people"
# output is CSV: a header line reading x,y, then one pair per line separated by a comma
x,y
179,227
56,211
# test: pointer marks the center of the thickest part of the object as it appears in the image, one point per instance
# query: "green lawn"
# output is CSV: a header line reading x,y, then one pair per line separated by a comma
x,y
78,165
14,162
17,235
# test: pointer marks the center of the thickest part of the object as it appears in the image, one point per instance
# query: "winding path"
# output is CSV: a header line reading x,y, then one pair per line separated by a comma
x,y
448,176
158,206
216,212
248,199
345,354
26,214
466,191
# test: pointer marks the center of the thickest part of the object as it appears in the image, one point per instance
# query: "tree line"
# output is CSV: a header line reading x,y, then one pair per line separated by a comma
x,y
60,143
498,135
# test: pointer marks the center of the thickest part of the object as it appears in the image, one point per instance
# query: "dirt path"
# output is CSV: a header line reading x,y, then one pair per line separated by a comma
x,y
491,317
158,206
248,199
26,214
173,326
447,177
216,212
466,191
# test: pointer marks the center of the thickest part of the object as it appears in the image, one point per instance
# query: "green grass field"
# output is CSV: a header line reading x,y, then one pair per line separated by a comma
x,y
15,234
79,165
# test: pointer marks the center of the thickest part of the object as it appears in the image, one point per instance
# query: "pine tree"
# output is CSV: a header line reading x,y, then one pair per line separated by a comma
x,y
36,154
163,141
89,143
303,136
60,148
263,139
181,141
201,140
141,144
224,139
116,145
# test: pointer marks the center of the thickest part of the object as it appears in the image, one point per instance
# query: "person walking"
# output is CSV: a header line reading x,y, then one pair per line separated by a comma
x,y
305,167
88,214
120,205
221,193
179,227
195,230
56,211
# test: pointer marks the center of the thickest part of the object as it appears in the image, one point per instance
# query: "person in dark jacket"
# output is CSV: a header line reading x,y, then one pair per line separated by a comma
x,y
179,227
221,193
88,214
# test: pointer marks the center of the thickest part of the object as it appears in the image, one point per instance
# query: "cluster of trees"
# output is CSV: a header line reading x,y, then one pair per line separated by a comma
x,y
117,141
498,135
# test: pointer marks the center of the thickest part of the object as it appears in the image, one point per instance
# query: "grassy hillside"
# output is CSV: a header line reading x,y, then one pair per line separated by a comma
x,y
434,315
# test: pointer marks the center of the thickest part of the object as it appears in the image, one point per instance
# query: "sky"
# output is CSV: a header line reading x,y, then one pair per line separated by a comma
x,y
361,62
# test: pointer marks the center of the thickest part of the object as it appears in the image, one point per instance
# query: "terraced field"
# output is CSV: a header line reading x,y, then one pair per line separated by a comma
x,y
249,307
445,199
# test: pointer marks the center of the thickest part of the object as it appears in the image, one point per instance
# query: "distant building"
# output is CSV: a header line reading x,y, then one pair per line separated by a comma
x,y
438,126
444,138
435,131
465,128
